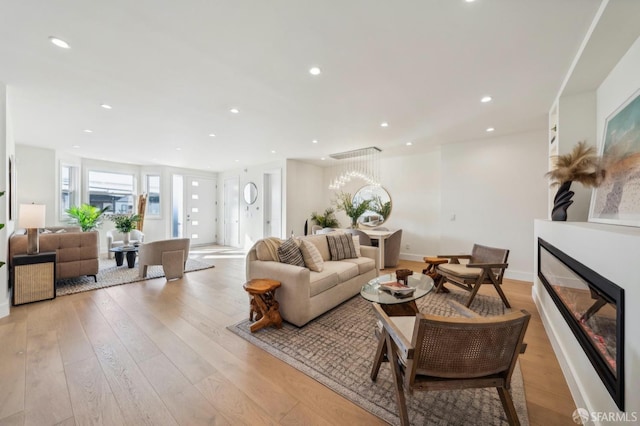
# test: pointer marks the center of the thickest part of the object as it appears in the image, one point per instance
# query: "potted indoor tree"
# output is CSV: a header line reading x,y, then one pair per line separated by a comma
x,y
353,209
86,216
125,223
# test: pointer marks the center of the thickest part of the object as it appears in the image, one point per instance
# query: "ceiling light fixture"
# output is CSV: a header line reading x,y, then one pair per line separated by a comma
x,y
409,143
88,131
315,71
59,42
237,161
178,149
273,151
314,141
322,158
234,110
486,99
106,106
361,163
490,129
213,135
384,124
76,146
469,1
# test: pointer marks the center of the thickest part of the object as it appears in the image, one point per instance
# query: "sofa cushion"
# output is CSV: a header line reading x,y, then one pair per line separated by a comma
x,y
289,252
364,264
320,241
345,270
341,246
311,255
322,281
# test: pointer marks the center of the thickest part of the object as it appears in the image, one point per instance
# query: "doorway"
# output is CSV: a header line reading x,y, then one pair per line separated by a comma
x,y
273,204
232,211
194,209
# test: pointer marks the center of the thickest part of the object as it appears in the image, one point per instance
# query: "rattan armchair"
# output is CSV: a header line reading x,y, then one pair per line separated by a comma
x,y
486,266
431,353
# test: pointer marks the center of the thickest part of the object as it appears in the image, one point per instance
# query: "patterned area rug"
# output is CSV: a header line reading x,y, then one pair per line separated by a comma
x,y
337,349
109,275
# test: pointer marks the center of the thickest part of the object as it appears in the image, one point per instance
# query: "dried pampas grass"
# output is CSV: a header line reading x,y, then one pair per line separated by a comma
x,y
580,165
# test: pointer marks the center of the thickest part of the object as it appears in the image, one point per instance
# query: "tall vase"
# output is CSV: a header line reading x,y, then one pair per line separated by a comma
x,y
562,201
126,238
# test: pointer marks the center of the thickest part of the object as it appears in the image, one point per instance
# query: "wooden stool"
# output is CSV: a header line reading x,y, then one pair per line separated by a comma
x,y
262,294
432,270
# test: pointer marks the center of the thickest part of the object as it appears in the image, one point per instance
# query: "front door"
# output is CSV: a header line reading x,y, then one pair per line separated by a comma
x,y
200,215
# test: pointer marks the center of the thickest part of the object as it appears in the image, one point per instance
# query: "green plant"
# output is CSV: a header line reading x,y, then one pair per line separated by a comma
x,y
326,220
86,216
383,209
344,202
125,222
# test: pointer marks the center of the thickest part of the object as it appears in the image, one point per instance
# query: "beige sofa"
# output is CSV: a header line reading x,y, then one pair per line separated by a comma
x,y
306,294
76,251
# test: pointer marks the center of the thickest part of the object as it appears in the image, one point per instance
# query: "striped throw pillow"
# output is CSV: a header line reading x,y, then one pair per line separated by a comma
x,y
289,252
341,246
311,255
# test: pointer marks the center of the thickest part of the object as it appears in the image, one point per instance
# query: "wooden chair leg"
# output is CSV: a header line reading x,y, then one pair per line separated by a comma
x,y
397,379
474,291
509,408
500,292
381,353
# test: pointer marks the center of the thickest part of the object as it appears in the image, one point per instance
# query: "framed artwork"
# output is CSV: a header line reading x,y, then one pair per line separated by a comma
x,y
617,200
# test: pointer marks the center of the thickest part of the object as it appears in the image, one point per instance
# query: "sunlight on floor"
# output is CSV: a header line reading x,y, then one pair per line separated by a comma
x,y
217,252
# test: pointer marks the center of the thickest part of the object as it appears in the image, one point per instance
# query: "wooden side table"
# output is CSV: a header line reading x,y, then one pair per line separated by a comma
x,y
432,270
33,277
262,293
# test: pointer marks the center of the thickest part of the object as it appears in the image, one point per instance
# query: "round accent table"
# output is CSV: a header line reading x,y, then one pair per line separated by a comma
x,y
262,294
393,305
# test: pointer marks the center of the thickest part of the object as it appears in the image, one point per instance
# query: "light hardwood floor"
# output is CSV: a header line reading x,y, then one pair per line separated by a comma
x,y
155,353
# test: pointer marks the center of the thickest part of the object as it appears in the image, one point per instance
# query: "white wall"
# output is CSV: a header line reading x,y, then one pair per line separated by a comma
x,y
304,195
35,176
7,149
495,188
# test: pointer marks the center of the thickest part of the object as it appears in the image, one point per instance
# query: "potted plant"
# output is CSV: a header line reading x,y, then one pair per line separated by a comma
x,y
354,210
383,209
86,216
326,220
125,223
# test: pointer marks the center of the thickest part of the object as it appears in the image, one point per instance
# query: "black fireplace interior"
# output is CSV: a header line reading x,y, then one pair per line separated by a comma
x,y
593,307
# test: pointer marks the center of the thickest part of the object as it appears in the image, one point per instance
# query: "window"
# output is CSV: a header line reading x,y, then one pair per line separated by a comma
x,y
153,196
114,190
68,188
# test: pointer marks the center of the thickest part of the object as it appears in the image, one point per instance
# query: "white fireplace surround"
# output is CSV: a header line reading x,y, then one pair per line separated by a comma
x,y
613,252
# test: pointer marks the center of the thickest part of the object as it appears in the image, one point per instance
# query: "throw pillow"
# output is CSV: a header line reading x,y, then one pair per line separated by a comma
x,y
356,244
312,257
61,231
341,246
45,231
289,252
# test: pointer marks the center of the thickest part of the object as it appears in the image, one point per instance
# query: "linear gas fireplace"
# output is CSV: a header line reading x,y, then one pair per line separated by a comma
x,y
593,307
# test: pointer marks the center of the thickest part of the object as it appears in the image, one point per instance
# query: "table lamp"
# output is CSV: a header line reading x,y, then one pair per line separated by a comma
x,y
32,217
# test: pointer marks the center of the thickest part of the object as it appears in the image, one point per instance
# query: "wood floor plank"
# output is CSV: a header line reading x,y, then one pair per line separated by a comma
x,y
46,396
15,420
186,403
74,344
13,349
139,403
92,400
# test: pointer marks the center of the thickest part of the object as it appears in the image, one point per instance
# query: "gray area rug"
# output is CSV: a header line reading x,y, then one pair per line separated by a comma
x,y
337,350
109,275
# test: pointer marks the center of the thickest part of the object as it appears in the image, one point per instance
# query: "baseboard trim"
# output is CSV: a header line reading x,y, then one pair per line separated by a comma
x,y
413,257
518,275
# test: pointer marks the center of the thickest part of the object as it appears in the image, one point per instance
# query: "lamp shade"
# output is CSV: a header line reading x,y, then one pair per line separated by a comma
x,y
32,216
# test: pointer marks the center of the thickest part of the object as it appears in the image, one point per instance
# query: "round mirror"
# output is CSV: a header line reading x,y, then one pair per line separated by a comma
x,y
250,193
379,205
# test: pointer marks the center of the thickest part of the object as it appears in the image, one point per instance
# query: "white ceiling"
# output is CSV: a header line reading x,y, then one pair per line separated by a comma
x,y
173,69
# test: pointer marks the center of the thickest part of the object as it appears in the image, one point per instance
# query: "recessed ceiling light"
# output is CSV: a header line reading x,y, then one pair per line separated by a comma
x,y
273,151
237,161
322,158
178,149
490,129
106,106
76,146
88,131
314,141
469,1
486,99
314,71
409,143
384,124
59,42
234,110
213,135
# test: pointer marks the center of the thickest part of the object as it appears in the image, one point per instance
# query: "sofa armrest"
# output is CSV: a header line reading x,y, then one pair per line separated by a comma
x,y
371,253
295,280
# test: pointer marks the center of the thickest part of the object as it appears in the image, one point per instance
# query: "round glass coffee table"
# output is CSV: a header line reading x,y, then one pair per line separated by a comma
x,y
397,305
